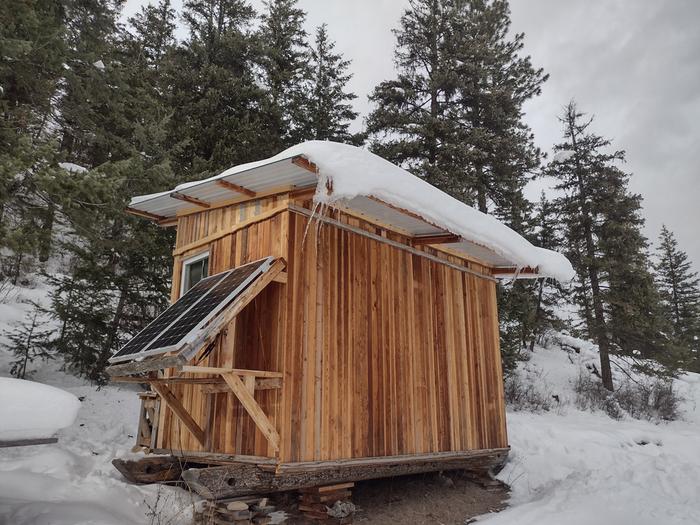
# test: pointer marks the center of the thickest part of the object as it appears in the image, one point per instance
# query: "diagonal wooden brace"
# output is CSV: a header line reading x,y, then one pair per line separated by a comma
x,y
246,398
174,404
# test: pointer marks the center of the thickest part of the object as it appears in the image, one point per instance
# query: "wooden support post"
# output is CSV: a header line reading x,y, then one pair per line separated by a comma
x,y
145,214
438,238
235,187
281,278
190,199
174,404
260,384
249,382
253,409
236,371
305,163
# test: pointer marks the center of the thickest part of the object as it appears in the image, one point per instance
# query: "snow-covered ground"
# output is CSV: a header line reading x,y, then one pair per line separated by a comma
x,y
73,481
570,467
567,466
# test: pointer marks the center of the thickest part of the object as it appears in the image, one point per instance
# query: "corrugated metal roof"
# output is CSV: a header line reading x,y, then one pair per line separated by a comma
x,y
265,177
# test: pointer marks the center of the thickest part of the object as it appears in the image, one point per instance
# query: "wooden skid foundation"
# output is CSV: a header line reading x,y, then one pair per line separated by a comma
x,y
240,479
157,469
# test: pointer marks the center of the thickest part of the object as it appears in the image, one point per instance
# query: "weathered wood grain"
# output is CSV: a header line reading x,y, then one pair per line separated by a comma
x,y
385,347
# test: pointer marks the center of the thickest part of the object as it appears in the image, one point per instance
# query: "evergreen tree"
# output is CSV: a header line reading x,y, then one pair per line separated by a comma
x,y
495,82
548,293
679,286
453,116
328,109
31,57
606,247
92,115
120,265
28,342
154,30
145,50
411,124
219,106
285,67
526,310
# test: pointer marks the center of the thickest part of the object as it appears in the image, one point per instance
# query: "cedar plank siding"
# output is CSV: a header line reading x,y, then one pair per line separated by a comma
x,y
383,352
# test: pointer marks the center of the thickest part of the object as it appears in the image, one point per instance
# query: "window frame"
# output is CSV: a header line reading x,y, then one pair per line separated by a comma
x,y
189,262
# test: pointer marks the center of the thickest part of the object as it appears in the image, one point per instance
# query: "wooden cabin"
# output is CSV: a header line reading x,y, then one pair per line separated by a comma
x,y
370,345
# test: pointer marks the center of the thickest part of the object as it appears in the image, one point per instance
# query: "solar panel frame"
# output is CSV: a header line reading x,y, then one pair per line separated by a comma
x,y
119,355
263,266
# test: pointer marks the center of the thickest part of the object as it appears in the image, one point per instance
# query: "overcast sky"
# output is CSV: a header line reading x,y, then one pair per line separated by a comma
x,y
633,64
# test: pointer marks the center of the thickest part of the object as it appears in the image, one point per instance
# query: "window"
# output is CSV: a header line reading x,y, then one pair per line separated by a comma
x,y
194,270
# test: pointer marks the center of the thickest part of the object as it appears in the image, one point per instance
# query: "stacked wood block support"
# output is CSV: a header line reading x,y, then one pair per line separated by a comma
x,y
327,502
486,481
148,419
237,511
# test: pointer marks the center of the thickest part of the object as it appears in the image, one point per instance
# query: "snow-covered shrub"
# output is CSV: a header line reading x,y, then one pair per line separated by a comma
x,y
650,398
28,341
522,392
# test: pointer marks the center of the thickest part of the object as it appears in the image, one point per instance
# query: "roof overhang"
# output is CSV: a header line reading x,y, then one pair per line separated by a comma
x,y
297,171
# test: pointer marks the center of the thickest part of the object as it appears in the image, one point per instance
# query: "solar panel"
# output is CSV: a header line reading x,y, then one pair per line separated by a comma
x,y
193,310
171,314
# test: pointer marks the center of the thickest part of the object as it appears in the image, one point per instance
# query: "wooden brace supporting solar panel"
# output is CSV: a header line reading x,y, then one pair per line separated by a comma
x,y
167,397
243,389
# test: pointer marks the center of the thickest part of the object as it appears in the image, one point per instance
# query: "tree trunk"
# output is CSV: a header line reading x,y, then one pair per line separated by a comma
x,y
599,328
114,325
47,229
481,189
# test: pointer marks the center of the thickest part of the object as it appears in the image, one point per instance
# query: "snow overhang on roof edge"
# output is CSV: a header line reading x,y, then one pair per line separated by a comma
x,y
346,172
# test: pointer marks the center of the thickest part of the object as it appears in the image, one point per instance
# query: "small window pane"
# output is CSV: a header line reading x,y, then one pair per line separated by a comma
x,y
195,272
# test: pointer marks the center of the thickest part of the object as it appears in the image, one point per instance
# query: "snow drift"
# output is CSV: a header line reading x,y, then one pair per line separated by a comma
x,y
30,410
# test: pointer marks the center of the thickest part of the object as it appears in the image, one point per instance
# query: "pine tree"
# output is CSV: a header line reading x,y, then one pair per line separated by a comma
x,y
548,293
411,123
219,106
145,50
285,67
28,342
92,113
154,31
495,82
453,116
605,245
120,265
328,109
679,286
31,57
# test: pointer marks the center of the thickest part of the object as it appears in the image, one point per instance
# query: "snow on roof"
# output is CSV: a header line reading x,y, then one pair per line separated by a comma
x,y
353,172
32,410
71,167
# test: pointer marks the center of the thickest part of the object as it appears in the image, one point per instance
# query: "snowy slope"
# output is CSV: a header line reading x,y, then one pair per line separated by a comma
x,y
573,467
73,482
